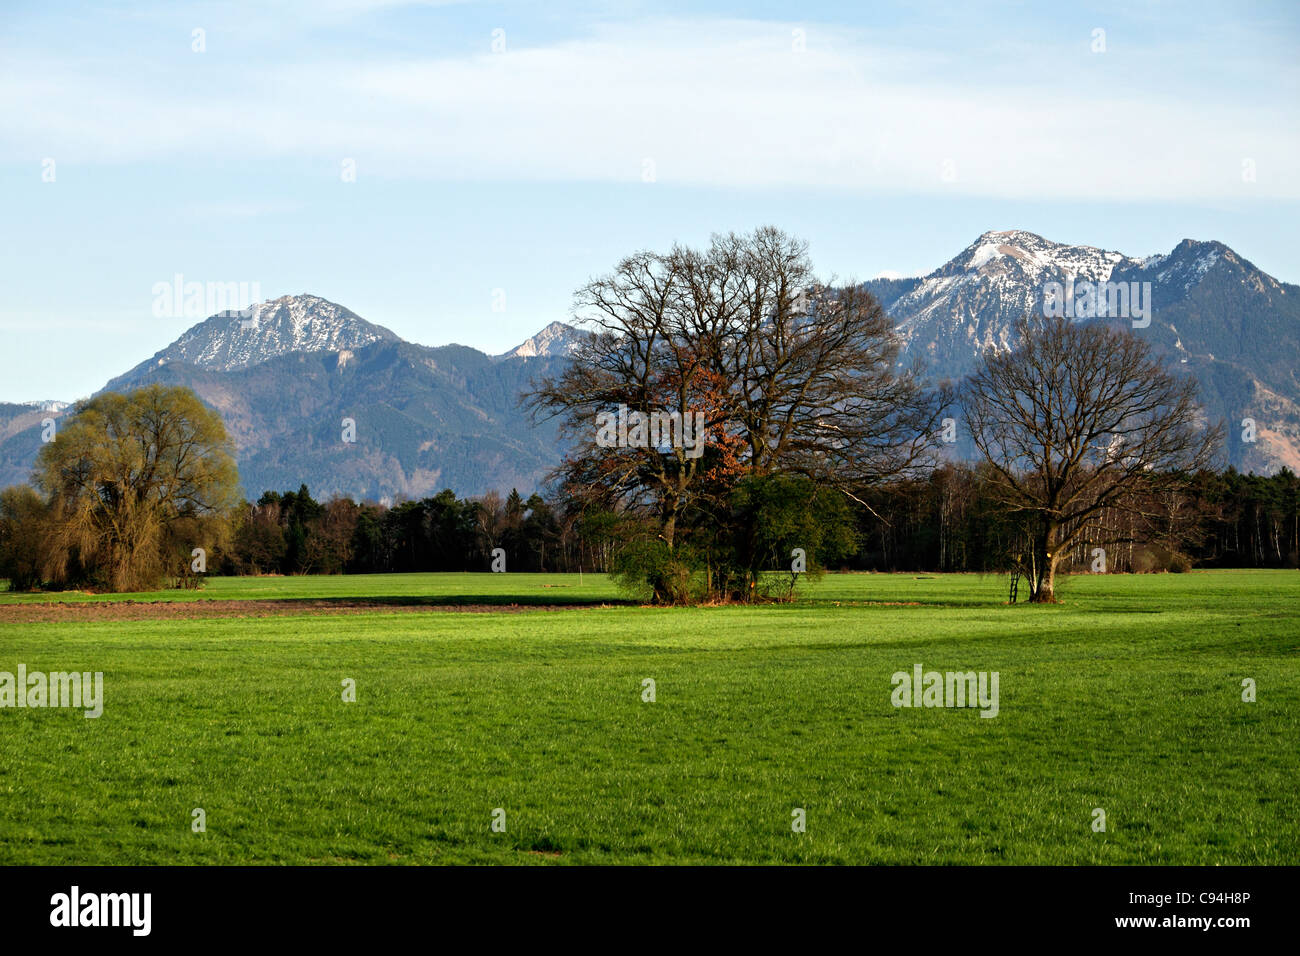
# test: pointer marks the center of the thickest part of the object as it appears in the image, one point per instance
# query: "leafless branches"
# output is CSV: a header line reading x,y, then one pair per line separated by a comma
x,y
1077,419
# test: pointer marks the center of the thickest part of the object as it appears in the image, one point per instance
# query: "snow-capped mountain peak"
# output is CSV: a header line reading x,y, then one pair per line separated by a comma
x,y
1201,305
1030,256
557,339
970,302
291,323
49,405
1191,260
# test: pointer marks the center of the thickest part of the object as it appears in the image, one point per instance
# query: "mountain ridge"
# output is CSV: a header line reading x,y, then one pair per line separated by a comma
x,y
448,416
228,341
1213,314
559,339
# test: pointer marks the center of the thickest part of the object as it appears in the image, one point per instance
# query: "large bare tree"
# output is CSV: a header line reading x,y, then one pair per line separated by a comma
x,y
791,374
1077,419
814,386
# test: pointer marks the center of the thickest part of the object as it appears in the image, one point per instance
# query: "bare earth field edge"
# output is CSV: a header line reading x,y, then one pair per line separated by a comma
x,y
193,610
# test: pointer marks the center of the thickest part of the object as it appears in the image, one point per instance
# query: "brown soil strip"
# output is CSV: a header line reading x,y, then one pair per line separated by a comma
x,y
197,610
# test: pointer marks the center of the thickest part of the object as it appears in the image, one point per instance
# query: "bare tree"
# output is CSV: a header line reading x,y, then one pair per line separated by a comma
x,y
815,386
1074,420
791,375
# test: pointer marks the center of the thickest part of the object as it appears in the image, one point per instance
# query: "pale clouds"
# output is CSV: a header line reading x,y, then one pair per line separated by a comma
x,y
702,103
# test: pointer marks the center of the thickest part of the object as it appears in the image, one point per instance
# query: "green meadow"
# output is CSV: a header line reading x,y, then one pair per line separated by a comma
x,y
1127,697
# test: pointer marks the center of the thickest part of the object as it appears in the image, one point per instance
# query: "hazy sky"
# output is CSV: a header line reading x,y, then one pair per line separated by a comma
x,y
524,147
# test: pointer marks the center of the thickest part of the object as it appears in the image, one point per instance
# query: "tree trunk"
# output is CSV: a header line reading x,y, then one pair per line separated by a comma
x,y
1045,570
670,528
1046,593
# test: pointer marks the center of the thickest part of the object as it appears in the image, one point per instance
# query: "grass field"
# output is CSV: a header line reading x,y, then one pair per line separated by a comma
x,y
1127,697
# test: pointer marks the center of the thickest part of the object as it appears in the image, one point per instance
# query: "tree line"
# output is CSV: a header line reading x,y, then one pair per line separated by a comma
x,y
947,521
292,533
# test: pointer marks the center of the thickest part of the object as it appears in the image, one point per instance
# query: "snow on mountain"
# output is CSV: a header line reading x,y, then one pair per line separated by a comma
x,y
557,339
1190,262
1208,310
291,323
972,301
1015,251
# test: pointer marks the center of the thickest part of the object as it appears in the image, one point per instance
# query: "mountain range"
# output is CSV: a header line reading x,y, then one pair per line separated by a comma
x,y
286,374
422,418
1213,315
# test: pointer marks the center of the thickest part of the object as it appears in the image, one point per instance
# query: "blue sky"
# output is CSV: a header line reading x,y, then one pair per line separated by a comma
x,y
889,136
